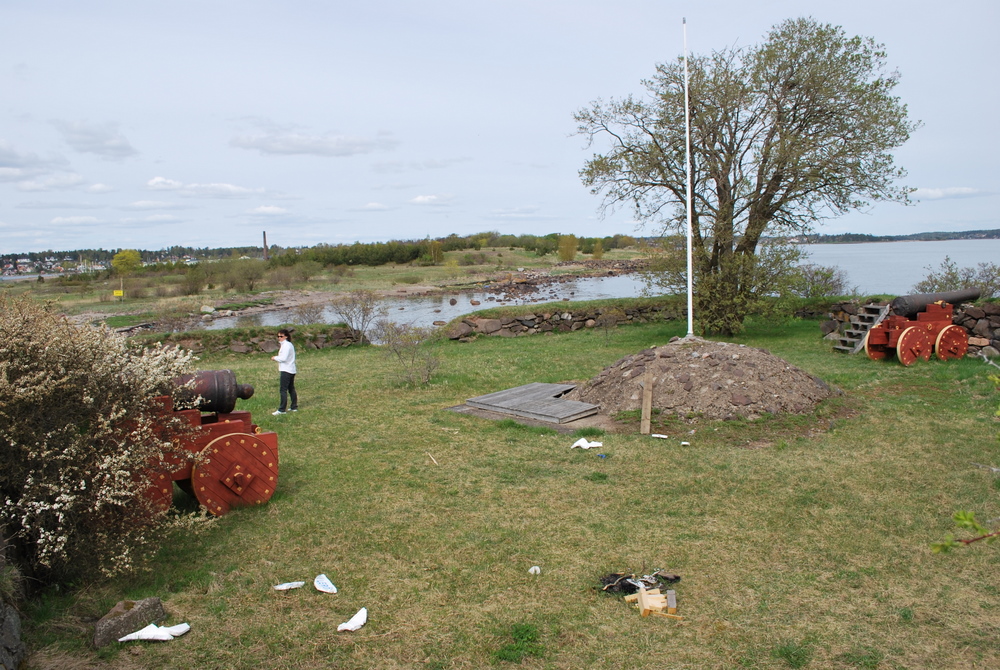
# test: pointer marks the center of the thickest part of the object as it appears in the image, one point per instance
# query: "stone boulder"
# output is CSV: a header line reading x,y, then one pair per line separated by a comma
x,y
127,617
12,649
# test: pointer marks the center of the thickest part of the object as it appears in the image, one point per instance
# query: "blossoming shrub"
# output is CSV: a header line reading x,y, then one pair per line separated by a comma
x,y
79,431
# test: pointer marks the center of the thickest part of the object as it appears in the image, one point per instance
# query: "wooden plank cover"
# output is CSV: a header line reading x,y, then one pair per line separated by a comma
x,y
535,401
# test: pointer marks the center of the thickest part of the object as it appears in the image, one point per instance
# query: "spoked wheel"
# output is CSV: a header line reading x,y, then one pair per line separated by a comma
x,y
876,352
952,342
914,343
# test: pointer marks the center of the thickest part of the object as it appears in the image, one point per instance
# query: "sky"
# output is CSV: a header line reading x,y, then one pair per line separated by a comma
x,y
206,123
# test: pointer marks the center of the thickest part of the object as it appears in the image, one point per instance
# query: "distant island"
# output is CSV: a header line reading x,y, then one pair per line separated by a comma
x,y
854,238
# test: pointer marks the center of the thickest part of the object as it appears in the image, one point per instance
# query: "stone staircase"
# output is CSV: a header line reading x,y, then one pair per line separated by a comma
x,y
853,339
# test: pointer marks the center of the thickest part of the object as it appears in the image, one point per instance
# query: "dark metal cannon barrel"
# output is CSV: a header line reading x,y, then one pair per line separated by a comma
x,y
910,305
218,390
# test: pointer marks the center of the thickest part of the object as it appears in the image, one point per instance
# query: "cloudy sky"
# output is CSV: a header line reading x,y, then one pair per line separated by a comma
x,y
204,123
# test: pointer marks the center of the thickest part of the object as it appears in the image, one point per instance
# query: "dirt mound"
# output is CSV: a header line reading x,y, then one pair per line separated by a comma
x,y
693,377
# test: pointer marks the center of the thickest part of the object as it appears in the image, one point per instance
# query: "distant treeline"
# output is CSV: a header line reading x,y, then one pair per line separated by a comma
x,y
372,254
851,238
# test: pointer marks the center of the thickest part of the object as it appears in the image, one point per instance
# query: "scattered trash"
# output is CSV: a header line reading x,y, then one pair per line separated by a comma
x,y
685,444
602,455
323,583
653,602
289,585
535,570
355,622
157,633
662,437
622,582
584,444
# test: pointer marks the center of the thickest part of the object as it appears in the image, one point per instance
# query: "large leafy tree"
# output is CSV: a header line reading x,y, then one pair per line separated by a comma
x,y
783,135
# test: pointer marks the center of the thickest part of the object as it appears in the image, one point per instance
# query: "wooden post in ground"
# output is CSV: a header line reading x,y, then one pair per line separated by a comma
x,y
647,402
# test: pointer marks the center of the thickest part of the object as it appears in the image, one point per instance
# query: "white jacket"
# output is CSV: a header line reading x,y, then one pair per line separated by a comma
x,y
286,357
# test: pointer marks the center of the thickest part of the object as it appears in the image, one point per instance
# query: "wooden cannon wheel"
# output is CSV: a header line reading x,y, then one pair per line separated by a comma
x,y
234,470
876,352
951,342
914,343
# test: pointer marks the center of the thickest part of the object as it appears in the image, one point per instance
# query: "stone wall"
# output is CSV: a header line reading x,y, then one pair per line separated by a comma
x,y
301,338
982,322
534,323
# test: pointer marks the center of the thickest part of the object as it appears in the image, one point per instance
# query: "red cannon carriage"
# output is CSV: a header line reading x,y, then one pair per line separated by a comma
x,y
231,462
931,332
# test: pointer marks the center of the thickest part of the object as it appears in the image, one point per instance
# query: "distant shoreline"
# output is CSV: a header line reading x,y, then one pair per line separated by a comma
x,y
862,238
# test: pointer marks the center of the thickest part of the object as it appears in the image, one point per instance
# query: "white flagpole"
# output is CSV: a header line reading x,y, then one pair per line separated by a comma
x,y
687,159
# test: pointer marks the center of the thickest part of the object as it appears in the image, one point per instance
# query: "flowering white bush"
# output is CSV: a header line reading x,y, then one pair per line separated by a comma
x,y
79,432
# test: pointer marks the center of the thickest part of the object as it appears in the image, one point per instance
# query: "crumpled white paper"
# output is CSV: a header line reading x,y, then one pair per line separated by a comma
x,y
356,621
289,585
323,583
157,633
535,570
584,444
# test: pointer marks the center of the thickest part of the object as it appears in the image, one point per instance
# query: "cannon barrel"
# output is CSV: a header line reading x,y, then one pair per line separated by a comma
x,y
218,390
910,305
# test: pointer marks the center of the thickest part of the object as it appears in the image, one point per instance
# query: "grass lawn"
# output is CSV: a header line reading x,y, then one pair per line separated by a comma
x,y
801,542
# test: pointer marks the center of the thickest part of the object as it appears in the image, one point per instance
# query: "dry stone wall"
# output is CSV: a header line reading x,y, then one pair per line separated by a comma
x,y
535,323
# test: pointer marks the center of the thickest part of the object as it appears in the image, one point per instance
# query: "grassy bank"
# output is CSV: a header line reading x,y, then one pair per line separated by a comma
x,y
801,542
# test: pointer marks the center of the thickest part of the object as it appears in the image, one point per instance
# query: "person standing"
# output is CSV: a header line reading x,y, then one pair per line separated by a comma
x,y
286,370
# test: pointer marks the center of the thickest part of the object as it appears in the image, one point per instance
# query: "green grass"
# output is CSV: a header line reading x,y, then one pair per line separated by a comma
x,y
801,541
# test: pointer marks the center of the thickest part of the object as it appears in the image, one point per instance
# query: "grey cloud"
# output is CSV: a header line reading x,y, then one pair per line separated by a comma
x,y
292,143
102,139
19,166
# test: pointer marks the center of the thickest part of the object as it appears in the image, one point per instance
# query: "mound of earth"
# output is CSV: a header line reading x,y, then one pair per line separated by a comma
x,y
693,377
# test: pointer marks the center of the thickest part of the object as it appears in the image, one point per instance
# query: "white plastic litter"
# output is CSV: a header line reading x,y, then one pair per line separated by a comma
x,y
584,444
289,585
685,444
535,570
662,437
323,583
177,630
157,633
356,621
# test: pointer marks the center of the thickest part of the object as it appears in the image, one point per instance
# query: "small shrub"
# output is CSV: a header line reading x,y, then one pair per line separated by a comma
x,y
359,310
310,312
402,342
950,277
283,277
818,281
609,320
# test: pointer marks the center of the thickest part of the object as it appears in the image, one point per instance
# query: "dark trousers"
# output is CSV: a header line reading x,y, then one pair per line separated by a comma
x,y
288,389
